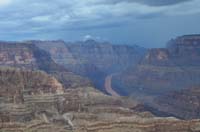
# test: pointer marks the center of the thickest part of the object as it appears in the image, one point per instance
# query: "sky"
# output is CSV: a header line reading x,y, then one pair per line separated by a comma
x,y
148,23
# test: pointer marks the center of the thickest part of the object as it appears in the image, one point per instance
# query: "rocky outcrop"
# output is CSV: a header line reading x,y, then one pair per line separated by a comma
x,y
17,55
92,59
132,124
33,101
28,56
167,79
104,55
41,104
179,51
144,125
16,81
164,70
27,96
16,85
156,80
184,104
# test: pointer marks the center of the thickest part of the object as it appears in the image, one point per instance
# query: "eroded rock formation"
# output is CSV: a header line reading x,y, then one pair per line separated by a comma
x,y
184,104
162,75
35,101
92,59
30,57
163,70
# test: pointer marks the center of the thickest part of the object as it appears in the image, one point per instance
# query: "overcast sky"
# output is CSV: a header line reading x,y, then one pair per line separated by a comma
x,y
149,23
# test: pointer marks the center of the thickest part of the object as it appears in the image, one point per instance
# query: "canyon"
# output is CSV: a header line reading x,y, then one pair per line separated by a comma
x,y
28,56
166,78
92,59
90,86
40,104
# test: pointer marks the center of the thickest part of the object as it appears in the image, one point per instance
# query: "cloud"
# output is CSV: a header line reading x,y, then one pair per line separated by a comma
x,y
4,2
45,18
161,2
36,16
87,37
146,2
91,37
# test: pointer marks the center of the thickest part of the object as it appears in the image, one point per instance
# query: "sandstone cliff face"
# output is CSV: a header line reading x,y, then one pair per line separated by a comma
x,y
162,75
105,56
92,59
40,104
15,82
163,70
58,51
149,125
17,55
33,101
102,55
28,56
182,51
183,104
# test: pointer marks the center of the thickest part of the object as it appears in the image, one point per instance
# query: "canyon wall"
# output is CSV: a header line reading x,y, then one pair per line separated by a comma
x,y
165,69
33,101
166,78
92,59
28,56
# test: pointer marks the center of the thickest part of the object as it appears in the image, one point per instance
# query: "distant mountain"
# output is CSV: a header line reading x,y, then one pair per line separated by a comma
x,y
92,59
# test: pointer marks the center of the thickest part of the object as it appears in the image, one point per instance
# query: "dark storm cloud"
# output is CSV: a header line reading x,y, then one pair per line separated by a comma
x,y
161,2
149,2
37,15
51,16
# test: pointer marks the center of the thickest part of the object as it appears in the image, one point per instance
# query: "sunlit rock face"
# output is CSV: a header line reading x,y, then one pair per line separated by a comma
x,y
16,88
27,56
15,82
17,55
185,50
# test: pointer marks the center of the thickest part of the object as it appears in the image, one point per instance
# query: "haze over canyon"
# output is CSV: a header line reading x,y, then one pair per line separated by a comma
x,y
98,86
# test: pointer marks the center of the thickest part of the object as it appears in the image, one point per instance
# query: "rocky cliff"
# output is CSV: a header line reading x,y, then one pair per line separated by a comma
x,y
18,55
162,75
167,69
16,84
28,56
33,101
182,51
184,104
103,55
92,59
